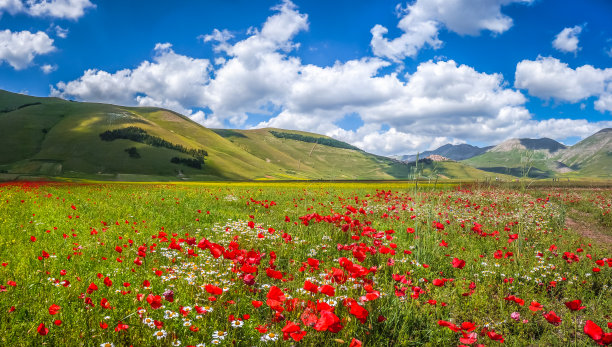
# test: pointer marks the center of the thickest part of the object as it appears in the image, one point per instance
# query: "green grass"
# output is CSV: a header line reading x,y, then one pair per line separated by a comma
x,y
80,225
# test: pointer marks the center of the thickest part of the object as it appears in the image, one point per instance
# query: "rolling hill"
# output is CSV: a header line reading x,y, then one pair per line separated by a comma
x,y
521,157
592,156
58,138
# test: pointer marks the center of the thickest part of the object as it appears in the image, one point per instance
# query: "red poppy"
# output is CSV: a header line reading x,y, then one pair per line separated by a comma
x,y
575,305
274,274
42,330
328,290
468,339
360,312
536,306
495,336
355,343
311,287
256,304
214,290
458,263
593,330
92,288
54,309
552,318
154,301
275,297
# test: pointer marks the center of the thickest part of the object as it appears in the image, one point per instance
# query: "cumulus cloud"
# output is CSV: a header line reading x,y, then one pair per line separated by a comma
x,y
19,49
60,32
11,6
567,40
440,102
422,20
64,9
47,68
171,80
549,78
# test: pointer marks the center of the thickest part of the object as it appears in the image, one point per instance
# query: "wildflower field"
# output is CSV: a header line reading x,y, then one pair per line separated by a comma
x,y
248,264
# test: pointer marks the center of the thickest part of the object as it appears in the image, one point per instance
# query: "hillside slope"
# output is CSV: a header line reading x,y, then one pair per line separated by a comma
x,y
521,157
591,156
50,136
55,137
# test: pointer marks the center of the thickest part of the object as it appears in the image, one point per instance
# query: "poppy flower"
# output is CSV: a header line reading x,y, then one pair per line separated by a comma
x,y
311,287
574,305
536,306
552,318
54,309
359,312
42,329
214,290
593,330
458,263
495,336
154,301
355,343
328,290
92,288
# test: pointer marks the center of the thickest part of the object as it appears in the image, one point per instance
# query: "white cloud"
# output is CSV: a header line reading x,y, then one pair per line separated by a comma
x,y
567,40
172,80
422,20
221,37
67,9
47,68
60,32
11,6
18,49
442,101
548,77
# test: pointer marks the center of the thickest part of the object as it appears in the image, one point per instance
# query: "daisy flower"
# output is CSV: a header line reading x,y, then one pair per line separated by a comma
x,y
219,335
107,344
160,334
237,323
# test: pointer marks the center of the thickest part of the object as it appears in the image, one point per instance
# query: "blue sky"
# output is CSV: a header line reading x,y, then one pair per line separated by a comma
x,y
390,77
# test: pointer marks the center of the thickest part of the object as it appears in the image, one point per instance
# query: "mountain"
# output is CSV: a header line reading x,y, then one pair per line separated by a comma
x,y
58,138
544,145
453,152
521,157
592,156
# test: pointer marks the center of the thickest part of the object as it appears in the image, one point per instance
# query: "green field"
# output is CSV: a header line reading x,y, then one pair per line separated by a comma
x,y
262,263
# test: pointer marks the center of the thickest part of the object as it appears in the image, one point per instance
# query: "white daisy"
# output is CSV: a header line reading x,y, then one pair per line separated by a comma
x,y
160,334
237,323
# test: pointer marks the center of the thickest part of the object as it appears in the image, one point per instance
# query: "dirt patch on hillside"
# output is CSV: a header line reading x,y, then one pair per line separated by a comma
x,y
595,233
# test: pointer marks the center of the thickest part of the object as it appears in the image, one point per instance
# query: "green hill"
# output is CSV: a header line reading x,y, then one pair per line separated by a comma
x,y
59,138
591,157
521,157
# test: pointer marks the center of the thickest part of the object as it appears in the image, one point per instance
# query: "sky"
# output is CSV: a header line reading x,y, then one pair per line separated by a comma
x,y
390,77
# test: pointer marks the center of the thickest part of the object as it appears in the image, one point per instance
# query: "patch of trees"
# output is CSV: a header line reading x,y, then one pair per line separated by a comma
x,y
133,152
140,135
11,109
191,162
228,133
311,139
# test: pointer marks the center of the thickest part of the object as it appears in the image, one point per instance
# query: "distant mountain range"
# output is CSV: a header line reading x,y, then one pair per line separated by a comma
x,y
539,158
453,152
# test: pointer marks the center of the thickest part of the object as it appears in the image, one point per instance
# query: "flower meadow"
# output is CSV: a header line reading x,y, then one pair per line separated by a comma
x,y
266,264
